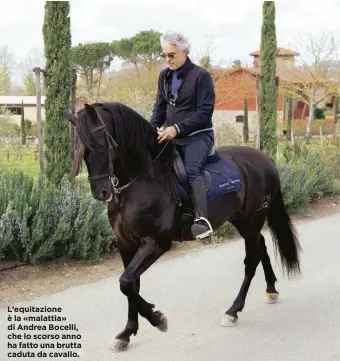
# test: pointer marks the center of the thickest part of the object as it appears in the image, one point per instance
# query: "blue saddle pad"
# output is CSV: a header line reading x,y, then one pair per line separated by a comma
x,y
220,177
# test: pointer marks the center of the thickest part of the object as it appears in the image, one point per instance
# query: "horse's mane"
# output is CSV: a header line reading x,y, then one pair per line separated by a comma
x,y
132,132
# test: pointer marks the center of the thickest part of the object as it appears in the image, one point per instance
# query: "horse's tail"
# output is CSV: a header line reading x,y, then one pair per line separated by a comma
x,y
284,234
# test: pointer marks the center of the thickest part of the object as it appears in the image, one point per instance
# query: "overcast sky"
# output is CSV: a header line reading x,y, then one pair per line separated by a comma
x,y
232,28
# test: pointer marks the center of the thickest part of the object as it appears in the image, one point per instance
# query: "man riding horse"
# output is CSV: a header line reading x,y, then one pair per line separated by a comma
x,y
185,103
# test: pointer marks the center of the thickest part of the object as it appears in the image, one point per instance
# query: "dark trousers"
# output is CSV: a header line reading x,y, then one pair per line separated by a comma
x,y
194,152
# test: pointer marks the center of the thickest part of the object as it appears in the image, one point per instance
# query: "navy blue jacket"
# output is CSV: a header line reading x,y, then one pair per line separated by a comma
x,y
190,110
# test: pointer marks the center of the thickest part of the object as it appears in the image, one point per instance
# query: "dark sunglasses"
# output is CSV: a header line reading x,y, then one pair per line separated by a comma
x,y
169,55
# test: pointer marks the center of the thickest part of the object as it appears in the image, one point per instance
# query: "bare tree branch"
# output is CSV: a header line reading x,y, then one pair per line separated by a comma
x,y
313,81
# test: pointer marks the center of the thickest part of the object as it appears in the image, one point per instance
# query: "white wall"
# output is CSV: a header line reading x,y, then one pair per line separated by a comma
x,y
225,123
30,113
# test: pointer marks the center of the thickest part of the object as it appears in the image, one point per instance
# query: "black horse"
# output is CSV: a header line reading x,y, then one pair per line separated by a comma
x,y
137,176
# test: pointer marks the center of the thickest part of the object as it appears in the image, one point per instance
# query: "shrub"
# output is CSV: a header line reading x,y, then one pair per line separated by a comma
x,y
306,174
9,131
226,230
319,113
39,222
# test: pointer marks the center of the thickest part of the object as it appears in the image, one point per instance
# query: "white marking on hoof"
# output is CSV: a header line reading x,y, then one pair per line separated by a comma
x,y
229,321
271,298
163,326
120,345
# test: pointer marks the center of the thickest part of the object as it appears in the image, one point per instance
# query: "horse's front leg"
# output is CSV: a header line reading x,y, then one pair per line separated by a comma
x,y
131,328
147,254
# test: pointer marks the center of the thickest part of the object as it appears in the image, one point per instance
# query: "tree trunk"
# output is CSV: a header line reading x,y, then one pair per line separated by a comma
x,y
292,135
336,117
39,125
99,81
91,86
310,120
290,116
22,125
87,81
245,121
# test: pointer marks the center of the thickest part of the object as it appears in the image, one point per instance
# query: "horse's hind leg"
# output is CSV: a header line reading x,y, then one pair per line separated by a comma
x,y
271,295
250,232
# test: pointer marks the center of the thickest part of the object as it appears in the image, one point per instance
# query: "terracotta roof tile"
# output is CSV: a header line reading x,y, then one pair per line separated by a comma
x,y
280,52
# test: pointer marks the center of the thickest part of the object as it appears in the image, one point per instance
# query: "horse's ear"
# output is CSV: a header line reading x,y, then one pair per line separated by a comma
x,y
69,116
91,112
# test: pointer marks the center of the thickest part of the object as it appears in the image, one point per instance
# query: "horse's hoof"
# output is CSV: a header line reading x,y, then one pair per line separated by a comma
x,y
229,321
271,297
121,345
163,323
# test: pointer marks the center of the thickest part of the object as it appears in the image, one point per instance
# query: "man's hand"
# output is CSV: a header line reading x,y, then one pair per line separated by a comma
x,y
167,134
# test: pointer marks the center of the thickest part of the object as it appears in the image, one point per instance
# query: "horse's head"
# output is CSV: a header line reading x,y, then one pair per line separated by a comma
x,y
98,149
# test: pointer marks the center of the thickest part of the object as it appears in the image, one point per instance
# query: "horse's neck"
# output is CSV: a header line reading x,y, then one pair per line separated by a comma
x,y
134,165
147,164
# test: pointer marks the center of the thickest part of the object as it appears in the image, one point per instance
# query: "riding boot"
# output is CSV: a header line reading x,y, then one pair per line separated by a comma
x,y
201,228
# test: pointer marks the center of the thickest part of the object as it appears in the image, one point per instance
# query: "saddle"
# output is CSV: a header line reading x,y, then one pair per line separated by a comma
x,y
220,176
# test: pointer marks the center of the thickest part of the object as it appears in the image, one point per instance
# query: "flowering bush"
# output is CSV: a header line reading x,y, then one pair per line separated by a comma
x,y
38,222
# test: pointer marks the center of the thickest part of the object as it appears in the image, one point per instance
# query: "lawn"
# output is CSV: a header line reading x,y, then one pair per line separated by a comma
x,y
299,126
20,158
26,159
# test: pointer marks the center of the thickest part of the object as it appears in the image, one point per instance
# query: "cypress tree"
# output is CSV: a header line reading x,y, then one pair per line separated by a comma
x,y
57,87
245,121
268,90
22,124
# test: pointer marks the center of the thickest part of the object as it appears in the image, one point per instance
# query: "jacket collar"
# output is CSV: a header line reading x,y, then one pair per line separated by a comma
x,y
181,71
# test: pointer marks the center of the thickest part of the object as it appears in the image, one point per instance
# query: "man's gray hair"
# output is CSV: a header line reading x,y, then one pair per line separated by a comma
x,y
177,39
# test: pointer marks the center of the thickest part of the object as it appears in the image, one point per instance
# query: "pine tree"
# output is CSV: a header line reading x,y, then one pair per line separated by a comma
x,y
268,89
245,122
57,83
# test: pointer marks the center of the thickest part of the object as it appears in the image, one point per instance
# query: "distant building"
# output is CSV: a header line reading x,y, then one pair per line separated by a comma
x,y
233,85
285,58
14,103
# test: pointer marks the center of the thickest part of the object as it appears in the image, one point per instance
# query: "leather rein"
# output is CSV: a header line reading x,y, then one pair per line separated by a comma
x,y
113,146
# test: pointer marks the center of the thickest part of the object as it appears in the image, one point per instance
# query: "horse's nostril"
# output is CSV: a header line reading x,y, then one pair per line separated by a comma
x,y
105,194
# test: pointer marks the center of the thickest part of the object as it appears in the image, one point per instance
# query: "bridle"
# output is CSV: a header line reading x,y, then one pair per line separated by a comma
x,y
112,145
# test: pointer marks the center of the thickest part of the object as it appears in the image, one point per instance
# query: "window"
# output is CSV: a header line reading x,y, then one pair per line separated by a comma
x,y
239,118
15,110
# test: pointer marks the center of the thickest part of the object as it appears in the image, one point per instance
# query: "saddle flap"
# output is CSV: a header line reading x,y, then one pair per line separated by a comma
x,y
181,173
180,169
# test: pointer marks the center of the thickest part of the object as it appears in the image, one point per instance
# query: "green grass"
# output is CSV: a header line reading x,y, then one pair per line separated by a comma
x,y
26,159
20,158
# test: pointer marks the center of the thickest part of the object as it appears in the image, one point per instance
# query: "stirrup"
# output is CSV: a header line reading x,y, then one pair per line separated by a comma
x,y
206,233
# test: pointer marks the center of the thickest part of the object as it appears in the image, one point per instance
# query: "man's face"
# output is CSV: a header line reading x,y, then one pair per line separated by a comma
x,y
173,58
